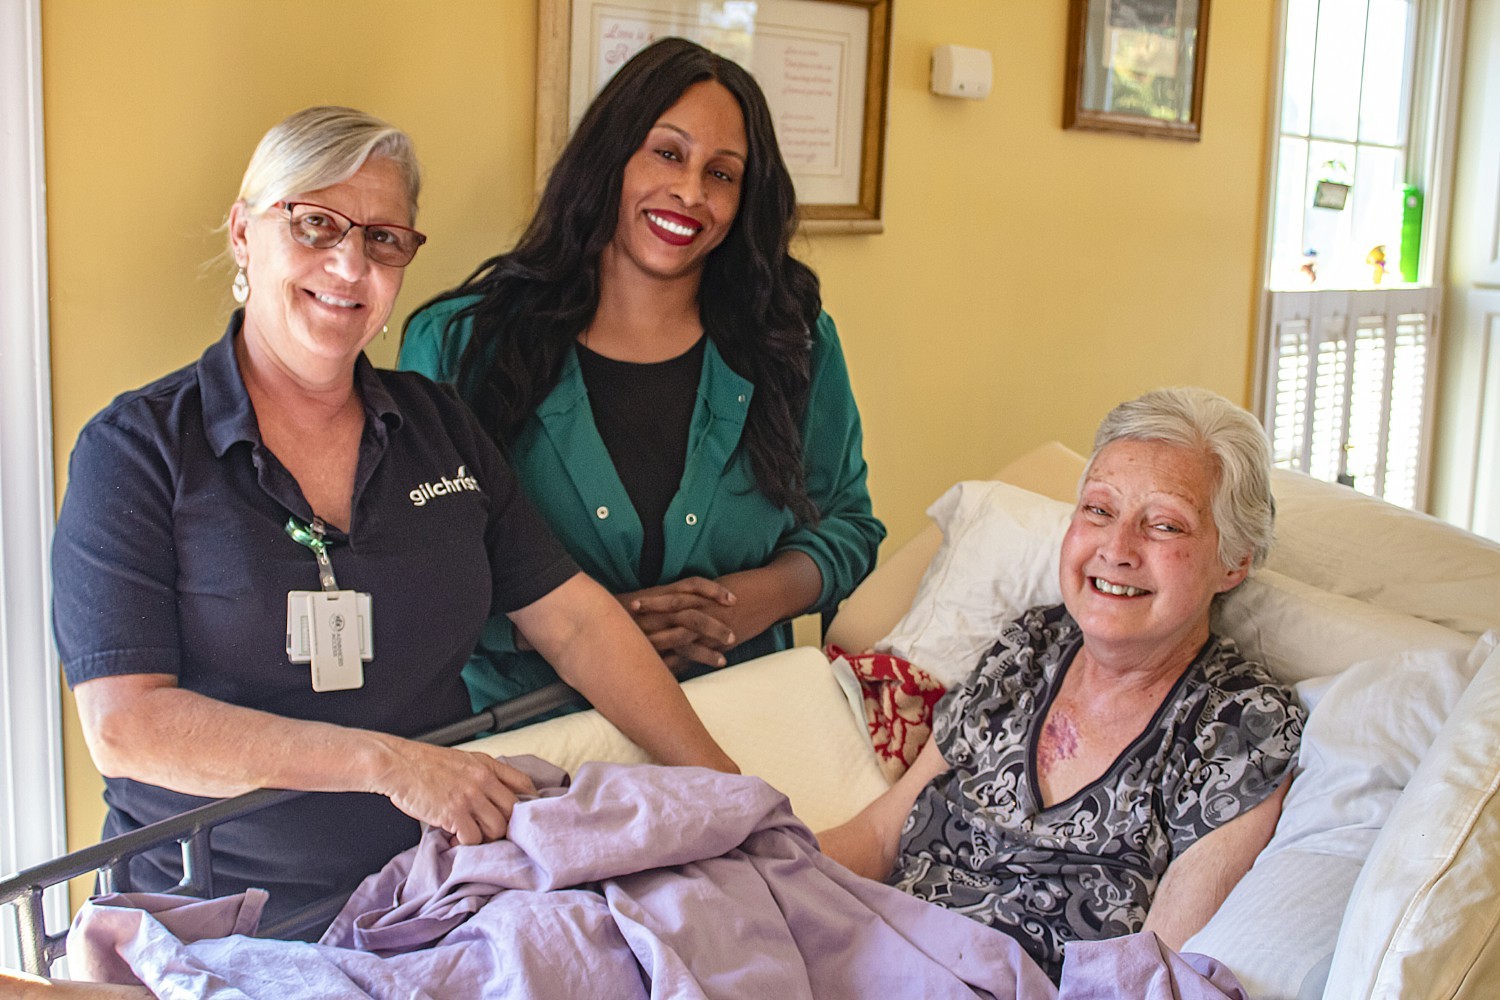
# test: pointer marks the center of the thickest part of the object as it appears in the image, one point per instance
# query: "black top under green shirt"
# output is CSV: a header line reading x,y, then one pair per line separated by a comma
x,y
643,412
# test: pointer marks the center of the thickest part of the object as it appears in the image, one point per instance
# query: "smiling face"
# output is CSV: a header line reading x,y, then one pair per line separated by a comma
x,y
315,310
681,188
1140,564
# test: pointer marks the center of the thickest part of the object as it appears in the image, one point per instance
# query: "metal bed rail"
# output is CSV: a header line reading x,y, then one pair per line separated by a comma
x,y
110,859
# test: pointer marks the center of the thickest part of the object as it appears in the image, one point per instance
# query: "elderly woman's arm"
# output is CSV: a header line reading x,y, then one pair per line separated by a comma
x,y
866,844
1197,883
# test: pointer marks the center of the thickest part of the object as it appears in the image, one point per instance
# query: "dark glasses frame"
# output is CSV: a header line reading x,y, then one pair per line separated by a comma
x,y
350,225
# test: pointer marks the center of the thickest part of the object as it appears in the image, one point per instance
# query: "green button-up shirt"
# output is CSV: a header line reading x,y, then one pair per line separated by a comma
x,y
718,522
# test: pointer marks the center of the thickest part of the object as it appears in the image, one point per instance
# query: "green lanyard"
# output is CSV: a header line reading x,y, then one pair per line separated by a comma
x,y
312,536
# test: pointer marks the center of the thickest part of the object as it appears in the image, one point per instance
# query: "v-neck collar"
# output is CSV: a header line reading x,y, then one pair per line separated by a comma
x,y
1054,686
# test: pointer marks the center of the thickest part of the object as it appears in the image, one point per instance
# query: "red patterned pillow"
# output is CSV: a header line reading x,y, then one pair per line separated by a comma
x,y
899,698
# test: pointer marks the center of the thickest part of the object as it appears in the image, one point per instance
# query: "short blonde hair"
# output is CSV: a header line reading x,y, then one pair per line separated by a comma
x,y
321,146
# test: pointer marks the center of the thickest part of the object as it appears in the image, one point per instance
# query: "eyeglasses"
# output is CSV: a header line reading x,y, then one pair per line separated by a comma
x,y
323,228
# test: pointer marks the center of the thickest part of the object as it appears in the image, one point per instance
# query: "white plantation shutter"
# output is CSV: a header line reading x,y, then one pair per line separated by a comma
x,y
1292,391
1410,410
1367,404
1350,396
1327,403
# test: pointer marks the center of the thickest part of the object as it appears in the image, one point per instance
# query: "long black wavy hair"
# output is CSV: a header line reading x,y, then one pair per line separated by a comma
x,y
757,304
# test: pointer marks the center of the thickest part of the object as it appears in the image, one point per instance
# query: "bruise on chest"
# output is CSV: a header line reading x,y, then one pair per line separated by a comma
x,y
1074,750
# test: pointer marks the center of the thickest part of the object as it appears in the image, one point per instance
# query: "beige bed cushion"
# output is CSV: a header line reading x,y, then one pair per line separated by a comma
x,y
1301,632
1343,541
783,717
1424,918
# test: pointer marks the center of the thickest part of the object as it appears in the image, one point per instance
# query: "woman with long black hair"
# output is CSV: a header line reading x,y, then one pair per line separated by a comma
x,y
660,372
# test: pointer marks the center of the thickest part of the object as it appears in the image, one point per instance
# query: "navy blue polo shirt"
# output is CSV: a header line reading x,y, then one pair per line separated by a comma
x,y
171,557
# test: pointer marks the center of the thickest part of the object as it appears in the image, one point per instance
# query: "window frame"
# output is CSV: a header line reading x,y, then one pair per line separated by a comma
x,y
32,819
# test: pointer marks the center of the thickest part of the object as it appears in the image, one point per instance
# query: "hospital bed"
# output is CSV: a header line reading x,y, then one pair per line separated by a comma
x,y
1383,878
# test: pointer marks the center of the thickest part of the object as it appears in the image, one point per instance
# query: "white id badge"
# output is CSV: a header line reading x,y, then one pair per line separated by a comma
x,y
299,626
333,632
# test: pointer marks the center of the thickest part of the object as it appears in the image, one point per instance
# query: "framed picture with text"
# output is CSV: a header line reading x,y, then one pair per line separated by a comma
x,y
822,64
1136,66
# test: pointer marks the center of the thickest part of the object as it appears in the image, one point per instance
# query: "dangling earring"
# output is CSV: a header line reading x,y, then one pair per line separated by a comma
x,y
240,289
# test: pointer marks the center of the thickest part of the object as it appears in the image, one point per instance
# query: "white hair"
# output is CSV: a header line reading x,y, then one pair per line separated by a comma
x,y
1243,509
321,146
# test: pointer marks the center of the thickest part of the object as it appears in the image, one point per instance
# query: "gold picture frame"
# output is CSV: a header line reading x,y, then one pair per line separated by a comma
x,y
823,64
1137,66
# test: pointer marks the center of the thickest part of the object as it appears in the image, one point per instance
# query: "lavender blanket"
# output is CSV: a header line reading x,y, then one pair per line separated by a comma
x,y
636,881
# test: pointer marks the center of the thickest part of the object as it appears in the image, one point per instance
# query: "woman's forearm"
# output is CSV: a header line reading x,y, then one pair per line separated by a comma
x,y
22,986
783,588
146,728
596,648
867,844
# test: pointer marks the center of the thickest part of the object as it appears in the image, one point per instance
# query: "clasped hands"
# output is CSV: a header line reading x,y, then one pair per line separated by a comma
x,y
692,620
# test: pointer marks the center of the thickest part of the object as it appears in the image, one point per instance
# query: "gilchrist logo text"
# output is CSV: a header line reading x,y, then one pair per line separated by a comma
x,y
430,491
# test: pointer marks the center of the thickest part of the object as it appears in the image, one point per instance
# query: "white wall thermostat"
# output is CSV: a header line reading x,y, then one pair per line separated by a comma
x,y
958,71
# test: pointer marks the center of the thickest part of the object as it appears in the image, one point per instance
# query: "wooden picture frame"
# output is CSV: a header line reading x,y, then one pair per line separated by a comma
x,y
823,64
1137,66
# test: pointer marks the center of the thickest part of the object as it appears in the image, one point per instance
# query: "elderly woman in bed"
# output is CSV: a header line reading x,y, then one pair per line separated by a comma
x,y
1111,764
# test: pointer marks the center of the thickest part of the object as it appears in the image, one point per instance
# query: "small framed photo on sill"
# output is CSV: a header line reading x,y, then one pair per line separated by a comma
x,y
1137,66
1330,194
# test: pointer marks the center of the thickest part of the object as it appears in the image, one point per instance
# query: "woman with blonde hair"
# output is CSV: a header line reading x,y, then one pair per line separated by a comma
x,y
271,565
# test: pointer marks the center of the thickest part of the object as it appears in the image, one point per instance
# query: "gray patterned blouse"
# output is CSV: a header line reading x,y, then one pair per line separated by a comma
x,y
979,841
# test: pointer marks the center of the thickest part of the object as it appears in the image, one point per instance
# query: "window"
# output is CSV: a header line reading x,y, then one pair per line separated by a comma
x,y
1346,90
1353,314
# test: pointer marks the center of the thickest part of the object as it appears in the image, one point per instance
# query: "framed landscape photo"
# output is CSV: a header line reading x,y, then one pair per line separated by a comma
x,y
1136,66
821,63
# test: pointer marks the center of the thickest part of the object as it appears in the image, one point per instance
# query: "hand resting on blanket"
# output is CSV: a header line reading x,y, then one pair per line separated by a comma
x,y
1110,765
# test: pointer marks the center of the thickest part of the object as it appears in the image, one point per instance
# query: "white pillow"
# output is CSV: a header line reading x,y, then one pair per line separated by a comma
x,y
1277,930
1369,727
1299,631
1421,922
999,557
782,717
1340,540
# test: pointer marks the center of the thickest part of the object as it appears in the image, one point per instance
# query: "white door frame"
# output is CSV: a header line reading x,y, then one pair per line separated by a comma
x,y
32,826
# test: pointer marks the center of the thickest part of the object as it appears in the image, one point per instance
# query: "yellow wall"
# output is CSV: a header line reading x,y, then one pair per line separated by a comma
x,y
1028,278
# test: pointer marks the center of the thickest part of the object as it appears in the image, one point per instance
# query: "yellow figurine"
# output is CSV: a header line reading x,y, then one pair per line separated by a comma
x,y
1376,259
